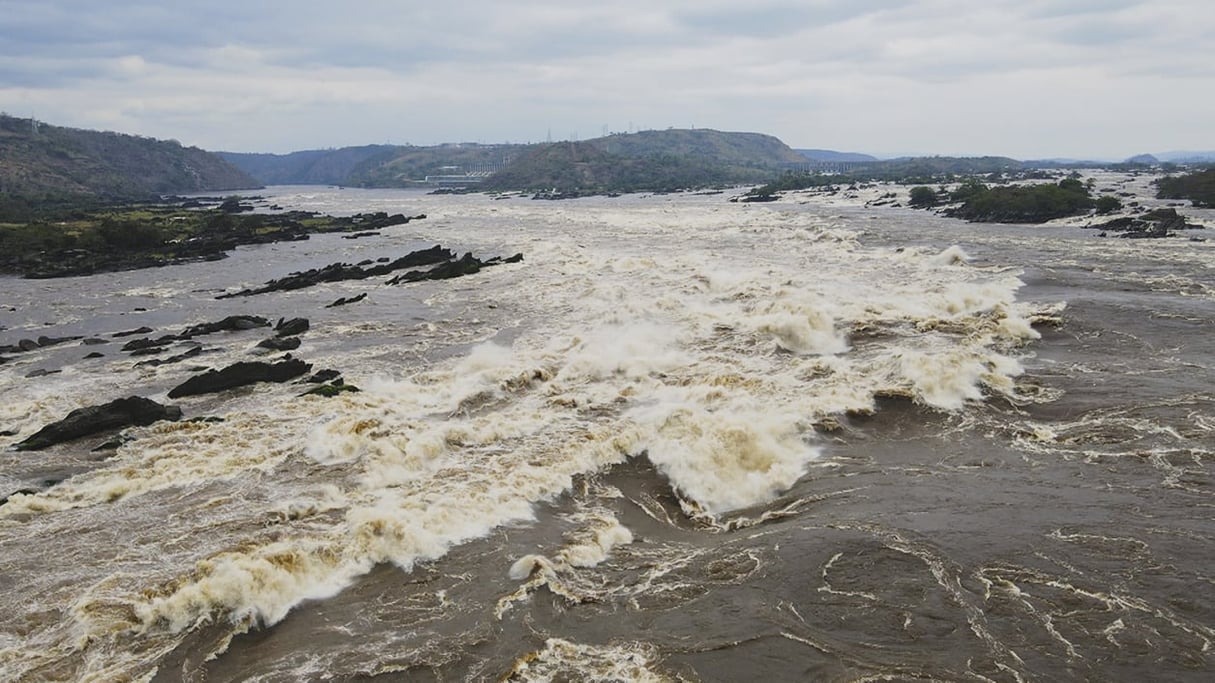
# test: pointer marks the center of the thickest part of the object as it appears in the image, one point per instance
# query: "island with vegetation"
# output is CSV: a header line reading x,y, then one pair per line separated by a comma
x,y
1198,187
82,240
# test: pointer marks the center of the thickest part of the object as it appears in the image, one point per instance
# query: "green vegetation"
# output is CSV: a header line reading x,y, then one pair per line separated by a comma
x,y
920,171
40,161
1020,203
84,240
646,161
1198,187
923,197
580,169
1107,204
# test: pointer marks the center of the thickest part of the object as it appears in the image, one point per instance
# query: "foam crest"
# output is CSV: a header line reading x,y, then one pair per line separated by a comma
x,y
727,457
799,327
562,660
254,587
949,379
588,547
633,351
172,455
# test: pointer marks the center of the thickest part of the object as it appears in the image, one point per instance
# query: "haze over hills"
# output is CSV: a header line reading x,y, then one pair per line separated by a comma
x,y
308,167
42,159
828,155
695,155
37,160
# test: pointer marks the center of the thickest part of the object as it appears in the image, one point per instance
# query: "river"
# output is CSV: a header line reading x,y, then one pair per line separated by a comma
x,y
683,440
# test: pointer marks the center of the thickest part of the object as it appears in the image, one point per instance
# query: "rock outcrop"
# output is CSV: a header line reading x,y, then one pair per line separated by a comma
x,y
239,375
119,413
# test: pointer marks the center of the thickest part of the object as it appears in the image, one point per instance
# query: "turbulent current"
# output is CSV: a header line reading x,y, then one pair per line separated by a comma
x,y
683,440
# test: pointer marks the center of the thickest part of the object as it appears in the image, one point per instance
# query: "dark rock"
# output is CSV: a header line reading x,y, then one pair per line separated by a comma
x,y
337,272
357,235
94,341
232,323
42,372
24,491
288,328
466,265
324,376
27,345
113,444
131,333
144,343
94,355
498,259
238,375
280,343
1149,224
116,414
343,301
330,390
189,353
45,341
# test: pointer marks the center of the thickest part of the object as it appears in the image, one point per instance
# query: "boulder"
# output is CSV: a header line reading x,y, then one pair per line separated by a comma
x,y
323,376
280,343
131,333
116,414
343,301
188,353
232,323
144,343
292,327
239,375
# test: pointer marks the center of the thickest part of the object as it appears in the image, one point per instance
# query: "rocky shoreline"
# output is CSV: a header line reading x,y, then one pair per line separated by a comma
x,y
108,421
173,231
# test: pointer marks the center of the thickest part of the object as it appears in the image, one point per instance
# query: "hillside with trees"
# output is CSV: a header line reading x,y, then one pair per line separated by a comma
x,y
650,161
1037,203
309,167
39,161
1198,187
643,161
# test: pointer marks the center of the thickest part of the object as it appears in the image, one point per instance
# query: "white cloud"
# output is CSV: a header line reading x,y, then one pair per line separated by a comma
x,y
1018,77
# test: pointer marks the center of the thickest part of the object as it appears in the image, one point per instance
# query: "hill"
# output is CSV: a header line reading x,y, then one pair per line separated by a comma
x,y
827,155
652,161
38,160
648,160
372,165
310,167
732,149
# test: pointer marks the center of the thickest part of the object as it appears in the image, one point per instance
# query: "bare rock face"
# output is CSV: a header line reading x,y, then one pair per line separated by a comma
x,y
239,375
117,414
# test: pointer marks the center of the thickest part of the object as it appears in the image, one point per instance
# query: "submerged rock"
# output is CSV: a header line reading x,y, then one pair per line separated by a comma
x,y
239,375
232,323
343,301
337,272
1157,223
280,343
292,327
116,414
131,333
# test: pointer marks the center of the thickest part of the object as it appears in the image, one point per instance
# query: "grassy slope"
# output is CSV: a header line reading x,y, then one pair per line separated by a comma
x,y
53,160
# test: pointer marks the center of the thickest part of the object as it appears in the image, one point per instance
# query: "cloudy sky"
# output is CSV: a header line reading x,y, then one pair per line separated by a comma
x,y
1023,78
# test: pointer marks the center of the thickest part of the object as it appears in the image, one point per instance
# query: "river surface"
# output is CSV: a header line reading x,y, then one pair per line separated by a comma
x,y
683,440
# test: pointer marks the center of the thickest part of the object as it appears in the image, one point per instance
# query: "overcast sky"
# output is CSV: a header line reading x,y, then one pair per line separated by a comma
x,y
1023,78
